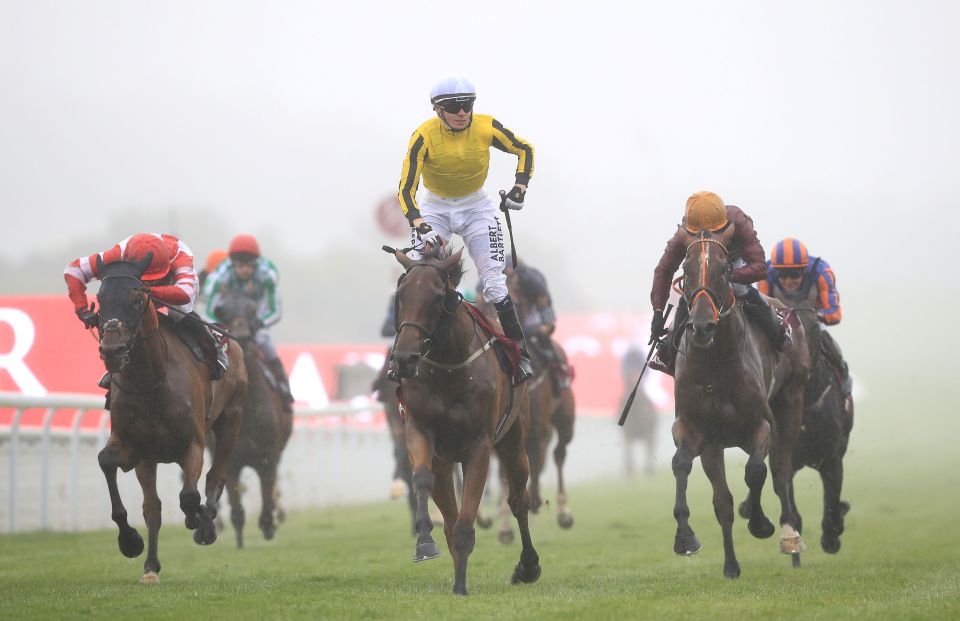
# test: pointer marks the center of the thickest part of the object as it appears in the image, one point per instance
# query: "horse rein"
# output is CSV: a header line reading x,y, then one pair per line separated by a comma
x,y
427,343
703,289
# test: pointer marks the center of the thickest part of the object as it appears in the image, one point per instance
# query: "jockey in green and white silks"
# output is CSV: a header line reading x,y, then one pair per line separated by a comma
x,y
254,276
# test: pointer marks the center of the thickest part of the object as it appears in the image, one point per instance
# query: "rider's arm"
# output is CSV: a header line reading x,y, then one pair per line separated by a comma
x,y
663,274
410,176
81,271
750,249
271,296
508,142
829,301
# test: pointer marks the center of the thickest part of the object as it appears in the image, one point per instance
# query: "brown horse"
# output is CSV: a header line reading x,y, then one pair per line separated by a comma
x,y
733,389
163,406
266,425
827,422
551,408
459,407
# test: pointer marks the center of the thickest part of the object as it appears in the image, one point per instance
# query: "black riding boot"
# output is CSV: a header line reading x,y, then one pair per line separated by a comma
x,y
831,349
283,383
665,359
755,306
511,328
214,355
105,382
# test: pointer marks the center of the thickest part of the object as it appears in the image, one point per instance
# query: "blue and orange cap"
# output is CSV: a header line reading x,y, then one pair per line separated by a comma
x,y
789,253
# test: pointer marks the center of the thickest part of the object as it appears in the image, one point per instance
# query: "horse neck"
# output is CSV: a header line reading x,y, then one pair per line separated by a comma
x,y
456,344
148,358
727,343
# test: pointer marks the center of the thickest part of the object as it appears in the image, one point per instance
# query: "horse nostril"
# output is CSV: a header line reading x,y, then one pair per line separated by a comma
x,y
710,328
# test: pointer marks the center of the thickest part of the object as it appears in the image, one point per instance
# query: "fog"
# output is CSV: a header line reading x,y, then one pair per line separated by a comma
x,y
832,122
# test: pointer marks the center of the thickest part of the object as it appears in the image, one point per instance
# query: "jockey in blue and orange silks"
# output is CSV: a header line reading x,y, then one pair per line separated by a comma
x,y
800,280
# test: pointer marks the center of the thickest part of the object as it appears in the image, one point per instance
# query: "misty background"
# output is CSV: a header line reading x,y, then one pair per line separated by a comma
x,y
832,122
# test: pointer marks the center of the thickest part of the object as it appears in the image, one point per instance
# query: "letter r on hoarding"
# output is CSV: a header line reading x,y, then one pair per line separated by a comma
x,y
12,361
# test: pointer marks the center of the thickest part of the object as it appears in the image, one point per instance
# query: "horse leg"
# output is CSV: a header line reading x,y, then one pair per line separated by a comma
x,y
226,430
505,533
781,464
712,462
464,533
147,475
420,450
445,497
831,473
755,475
238,517
191,465
688,443
537,455
513,459
563,422
268,483
129,540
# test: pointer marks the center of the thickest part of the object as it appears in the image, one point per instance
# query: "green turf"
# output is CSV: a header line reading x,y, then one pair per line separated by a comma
x,y
900,559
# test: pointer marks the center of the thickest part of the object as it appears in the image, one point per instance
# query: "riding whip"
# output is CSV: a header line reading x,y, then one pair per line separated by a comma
x,y
626,408
212,326
506,213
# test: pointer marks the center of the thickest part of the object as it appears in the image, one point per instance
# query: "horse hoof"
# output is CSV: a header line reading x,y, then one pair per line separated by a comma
x,y
150,577
205,536
686,546
792,545
731,570
268,533
484,522
398,489
281,516
459,590
426,551
744,510
505,537
192,522
131,543
565,520
761,528
522,575
844,507
830,545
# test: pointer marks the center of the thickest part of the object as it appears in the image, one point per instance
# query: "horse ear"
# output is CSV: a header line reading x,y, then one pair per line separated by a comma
x,y
404,260
99,265
144,263
450,261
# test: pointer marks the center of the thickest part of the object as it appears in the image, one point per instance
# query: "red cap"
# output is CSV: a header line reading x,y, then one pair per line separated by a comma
x,y
245,244
137,248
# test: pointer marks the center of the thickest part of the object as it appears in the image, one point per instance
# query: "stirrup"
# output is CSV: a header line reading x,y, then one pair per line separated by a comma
x,y
523,372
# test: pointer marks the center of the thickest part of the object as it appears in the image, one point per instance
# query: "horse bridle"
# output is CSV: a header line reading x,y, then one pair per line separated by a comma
x,y
429,334
113,324
712,296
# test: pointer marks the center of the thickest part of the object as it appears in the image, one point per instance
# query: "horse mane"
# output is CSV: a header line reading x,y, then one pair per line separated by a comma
x,y
440,252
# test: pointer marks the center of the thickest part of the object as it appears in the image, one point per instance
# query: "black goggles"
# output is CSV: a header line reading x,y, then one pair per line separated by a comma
x,y
455,105
790,273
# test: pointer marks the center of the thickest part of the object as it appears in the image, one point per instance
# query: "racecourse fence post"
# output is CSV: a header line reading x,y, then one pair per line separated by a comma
x,y
14,448
75,470
45,468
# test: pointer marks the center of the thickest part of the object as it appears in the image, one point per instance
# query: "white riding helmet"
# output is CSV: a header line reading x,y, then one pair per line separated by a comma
x,y
452,86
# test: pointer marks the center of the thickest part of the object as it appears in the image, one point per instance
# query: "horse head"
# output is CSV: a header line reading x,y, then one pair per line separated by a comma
x,y
239,313
706,287
426,301
123,303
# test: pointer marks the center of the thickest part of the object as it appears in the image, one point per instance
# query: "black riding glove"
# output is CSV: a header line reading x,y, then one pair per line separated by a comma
x,y
657,328
89,316
514,198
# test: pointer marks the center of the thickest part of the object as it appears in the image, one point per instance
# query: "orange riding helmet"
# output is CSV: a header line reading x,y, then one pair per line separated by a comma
x,y
214,259
245,244
142,243
705,210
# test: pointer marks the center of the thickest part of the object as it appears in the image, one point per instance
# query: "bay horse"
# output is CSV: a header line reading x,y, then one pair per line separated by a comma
x,y
163,406
266,424
827,422
459,406
732,389
551,408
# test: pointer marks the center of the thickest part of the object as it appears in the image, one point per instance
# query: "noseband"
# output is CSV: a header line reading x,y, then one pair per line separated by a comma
x,y
712,296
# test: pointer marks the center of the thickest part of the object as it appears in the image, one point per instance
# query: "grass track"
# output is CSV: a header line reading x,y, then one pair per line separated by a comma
x,y
900,559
